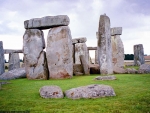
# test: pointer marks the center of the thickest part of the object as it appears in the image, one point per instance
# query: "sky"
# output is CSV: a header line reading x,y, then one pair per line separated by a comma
x,y
132,15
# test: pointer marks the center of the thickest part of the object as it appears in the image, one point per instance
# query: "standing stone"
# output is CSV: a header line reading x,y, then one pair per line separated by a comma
x,y
138,54
81,49
117,47
104,46
2,62
84,64
96,57
14,61
35,60
59,53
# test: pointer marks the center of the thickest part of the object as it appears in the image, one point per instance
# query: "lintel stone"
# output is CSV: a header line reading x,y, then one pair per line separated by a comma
x,y
116,31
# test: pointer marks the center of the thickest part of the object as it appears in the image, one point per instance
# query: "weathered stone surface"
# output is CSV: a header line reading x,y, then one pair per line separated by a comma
x,y
111,77
2,61
92,48
47,22
40,70
96,57
118,70
138,54
7,51
84,65
116,31
80,49
90,91
117,51
79,40
131,71
51,92
14,61
77,69
94,69
34,57
59,53
144,68
104,46
13,74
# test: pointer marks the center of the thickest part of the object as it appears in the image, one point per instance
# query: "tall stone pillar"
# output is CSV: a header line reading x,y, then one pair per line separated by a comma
x,y
34,56
2,61
138,54
96,57
104,46
59,52
117,47
14,61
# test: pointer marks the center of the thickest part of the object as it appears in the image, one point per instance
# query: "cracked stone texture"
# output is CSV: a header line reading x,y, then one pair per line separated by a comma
x,y
90,91
104,46
51,92
117,51
59,53
35,57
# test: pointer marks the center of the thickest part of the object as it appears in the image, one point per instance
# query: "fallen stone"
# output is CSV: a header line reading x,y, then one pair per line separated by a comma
x,y
90,91
13,74
51,92
81,49
2,61
47,22
116,31
138,54
144,68
59,53
94,69
131,71
110,77
118,70
79,40
104,46
14,61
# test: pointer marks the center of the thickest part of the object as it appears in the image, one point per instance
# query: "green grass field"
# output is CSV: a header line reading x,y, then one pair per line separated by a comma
x,y
132,90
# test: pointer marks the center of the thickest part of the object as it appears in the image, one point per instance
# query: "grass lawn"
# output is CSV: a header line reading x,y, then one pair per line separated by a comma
x,y
132,90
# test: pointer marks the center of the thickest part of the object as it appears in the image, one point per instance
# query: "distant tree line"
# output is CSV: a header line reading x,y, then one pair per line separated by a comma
x,y
128,56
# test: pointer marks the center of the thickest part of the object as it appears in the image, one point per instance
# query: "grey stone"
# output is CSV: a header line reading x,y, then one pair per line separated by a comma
x,y
90,91
47,22
59,53
79,40
13,74
77,69
94,69
118,70
117,51
116,31
34,57
96,57
84,65
139,54
92,48
7,51
2,61
14,61
104,46
51,92
110,77
80,49
144,68
131,71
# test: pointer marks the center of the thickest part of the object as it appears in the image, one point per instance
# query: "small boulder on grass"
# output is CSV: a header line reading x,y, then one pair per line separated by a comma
x,y
110,77
144,68
90,91
51,92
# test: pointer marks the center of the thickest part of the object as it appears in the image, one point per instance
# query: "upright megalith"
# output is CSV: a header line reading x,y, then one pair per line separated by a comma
x,y
138,54
104,46
34,56
14,61
117,47
59,52
2,62
47,22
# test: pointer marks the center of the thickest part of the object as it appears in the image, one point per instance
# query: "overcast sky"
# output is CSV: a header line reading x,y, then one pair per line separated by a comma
x,y
132,15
